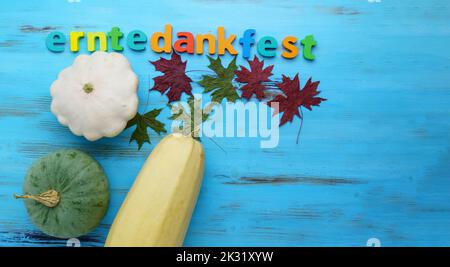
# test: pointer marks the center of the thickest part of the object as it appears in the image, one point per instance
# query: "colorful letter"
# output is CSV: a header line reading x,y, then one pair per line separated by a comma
x,y
199,40
74,40
266,46
247,41
115,34
167,38
308,42
136,40
225,44
101,36
291,50
55,42
184,45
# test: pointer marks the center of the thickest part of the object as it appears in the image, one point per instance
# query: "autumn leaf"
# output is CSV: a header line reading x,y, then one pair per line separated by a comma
x,y
254,78
220,84
294,98
192,119
174,79
140,134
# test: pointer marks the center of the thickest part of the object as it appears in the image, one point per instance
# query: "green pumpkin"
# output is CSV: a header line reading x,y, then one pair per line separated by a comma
x,y
66,193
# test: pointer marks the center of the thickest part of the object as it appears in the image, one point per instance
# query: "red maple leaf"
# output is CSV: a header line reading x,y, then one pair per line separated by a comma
x,y
254,78
174,79
294,98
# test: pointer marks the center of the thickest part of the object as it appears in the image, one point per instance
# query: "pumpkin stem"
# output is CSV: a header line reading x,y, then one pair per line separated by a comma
x,y
88,88
49,198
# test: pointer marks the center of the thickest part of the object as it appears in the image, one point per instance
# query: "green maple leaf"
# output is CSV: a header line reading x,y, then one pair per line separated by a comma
x,y
192,119
140,134
221,83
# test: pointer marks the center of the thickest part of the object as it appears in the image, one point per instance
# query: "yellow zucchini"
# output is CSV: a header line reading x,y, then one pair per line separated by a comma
x,y
159,206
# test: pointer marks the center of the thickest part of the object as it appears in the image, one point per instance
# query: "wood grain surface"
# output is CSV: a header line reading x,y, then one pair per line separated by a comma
x,y
373,160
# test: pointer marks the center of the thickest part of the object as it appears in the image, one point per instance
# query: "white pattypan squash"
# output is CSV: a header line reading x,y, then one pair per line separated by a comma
x,y
96,96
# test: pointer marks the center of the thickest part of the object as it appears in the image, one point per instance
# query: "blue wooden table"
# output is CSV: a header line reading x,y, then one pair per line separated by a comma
x,y
373,161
